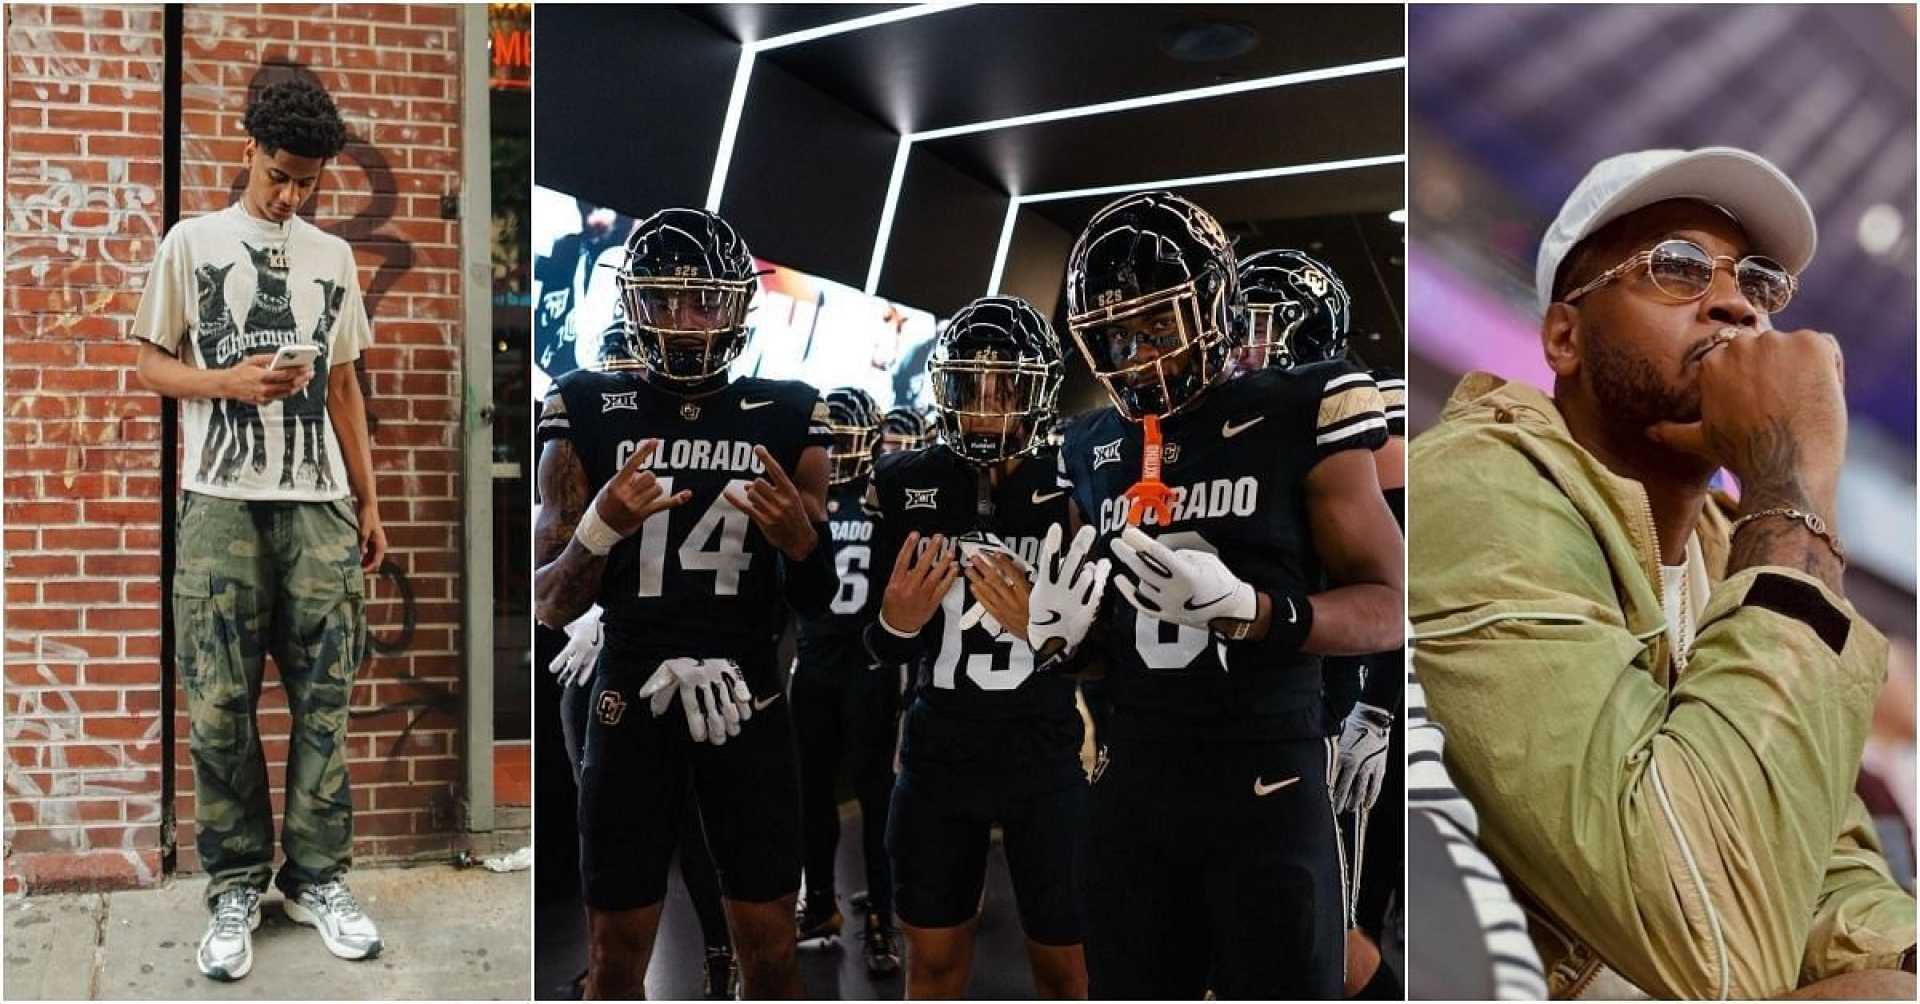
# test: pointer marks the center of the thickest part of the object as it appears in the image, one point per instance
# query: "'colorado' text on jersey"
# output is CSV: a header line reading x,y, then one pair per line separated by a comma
x,y
1237,464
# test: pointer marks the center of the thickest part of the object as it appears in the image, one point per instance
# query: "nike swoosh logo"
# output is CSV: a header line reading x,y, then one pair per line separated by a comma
x,y
1039,498
762,706
1202,606
746,405
1268,789
1055,620
1230,430
1293,616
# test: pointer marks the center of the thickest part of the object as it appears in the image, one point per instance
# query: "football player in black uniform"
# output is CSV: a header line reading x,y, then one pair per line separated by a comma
x,y
1214,861
1298,314
667,500
992,734
903,429
841,711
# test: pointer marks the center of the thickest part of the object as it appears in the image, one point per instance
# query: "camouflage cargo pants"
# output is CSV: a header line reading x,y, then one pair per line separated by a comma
x,y
268,578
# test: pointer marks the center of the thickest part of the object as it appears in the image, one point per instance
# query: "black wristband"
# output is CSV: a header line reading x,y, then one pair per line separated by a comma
x,y
1289,621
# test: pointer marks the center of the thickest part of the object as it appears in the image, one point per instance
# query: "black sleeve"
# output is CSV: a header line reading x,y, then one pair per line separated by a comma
x,y
1347,412
819,429
886,648
555,422
813,581
1340,686
1384,674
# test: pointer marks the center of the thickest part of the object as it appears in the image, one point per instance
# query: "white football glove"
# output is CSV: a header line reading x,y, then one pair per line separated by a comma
x,y
1361,764
711,691
573,667
1066,592
1181,587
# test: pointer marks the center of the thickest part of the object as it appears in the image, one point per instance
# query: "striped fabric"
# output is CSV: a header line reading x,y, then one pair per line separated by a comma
x,y
1516,973
1350,407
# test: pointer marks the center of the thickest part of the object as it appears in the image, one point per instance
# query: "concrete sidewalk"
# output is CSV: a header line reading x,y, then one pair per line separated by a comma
x,y
450,934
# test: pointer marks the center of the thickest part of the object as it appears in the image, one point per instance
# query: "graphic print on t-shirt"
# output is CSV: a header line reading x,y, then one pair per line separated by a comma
x,y
215,329
236,436
226,289
307,410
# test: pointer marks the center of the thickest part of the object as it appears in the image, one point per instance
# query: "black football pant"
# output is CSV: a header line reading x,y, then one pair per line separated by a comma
x,y
1381,846
696,863
1214,866
846,714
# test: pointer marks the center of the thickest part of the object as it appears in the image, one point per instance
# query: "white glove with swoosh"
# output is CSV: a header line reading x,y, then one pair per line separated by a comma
x,y
712,693
1361,765
1066,592
573,667
1182,587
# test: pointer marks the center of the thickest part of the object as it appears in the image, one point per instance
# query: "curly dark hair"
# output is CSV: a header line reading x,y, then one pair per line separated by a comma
x,y
298,117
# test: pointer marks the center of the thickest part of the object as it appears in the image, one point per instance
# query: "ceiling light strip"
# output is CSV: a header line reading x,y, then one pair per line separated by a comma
x,y
886,213
1169,97
742,73
856,24
1217,179
1006,241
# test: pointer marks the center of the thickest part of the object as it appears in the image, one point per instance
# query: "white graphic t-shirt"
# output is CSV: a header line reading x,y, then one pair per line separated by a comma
x,y
229,285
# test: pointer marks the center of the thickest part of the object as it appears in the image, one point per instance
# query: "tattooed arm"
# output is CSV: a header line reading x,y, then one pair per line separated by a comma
x,y
1773,411
1773,481
568,579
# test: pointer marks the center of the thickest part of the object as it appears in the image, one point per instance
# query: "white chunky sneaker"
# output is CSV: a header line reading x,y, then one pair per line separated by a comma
x,y
330,908
226,953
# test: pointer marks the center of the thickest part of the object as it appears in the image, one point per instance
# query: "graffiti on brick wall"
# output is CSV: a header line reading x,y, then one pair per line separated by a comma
x,y
53,217
45,720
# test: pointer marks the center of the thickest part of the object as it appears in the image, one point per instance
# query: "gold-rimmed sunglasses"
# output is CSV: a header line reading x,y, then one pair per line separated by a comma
x,y
1684,270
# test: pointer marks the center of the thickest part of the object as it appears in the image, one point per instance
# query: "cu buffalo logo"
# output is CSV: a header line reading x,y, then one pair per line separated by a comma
x,y
612,707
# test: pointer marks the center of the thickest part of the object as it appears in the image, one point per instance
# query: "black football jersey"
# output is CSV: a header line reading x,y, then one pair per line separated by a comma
x,y
831,642
699,579
978,701
1237,463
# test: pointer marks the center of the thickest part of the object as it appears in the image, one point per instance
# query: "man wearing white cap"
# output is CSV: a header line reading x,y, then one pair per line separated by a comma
x,y
1657,696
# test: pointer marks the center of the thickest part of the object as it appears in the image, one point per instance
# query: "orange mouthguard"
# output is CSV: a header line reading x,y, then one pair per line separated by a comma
x,y
1150,493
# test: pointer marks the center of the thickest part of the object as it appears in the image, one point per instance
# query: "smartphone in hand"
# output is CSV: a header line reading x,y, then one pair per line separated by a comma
x,y
292,357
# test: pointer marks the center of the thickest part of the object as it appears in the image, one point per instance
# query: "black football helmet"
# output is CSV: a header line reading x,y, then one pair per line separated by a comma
x,y
1153,301
685,289
995,372
1298,310
903,429
855,421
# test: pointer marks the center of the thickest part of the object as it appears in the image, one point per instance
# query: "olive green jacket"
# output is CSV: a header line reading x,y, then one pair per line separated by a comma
x,y
1699,835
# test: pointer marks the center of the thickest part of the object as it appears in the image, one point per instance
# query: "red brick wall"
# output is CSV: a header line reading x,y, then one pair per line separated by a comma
x,y
82,438
83,214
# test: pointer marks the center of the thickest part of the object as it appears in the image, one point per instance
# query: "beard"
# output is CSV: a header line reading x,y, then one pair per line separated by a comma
x,y
1632,388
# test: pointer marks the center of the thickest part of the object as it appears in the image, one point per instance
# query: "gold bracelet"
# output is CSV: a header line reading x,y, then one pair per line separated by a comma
x,y
1812,521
